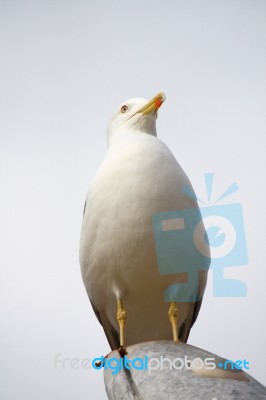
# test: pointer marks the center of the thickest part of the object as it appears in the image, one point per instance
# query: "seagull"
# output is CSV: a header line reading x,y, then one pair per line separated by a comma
x,y
138,180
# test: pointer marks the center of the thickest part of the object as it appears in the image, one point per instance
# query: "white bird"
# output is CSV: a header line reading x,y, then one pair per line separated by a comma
x,y
139,178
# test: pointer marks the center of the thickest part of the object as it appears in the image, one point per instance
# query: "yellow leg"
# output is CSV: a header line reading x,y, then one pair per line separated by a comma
x,y
173,315
121,318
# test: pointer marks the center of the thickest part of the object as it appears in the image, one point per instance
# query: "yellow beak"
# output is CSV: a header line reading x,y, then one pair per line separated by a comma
x,y
153,104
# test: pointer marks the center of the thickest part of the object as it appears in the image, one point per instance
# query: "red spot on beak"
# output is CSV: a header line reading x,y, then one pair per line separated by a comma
x,y
158,103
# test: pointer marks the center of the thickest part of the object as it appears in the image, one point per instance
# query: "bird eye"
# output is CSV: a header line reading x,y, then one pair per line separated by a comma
x,y
124,109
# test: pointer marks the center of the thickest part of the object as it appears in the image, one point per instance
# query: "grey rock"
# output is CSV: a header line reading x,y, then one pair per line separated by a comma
x,y
172,380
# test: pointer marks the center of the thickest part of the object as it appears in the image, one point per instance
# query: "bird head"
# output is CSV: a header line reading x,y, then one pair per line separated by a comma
x,y
135,116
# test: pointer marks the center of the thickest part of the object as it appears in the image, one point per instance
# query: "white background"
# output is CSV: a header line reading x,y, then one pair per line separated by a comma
x,y
65,67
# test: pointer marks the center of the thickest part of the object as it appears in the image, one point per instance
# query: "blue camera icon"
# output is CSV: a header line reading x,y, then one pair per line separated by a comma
x,y
183,245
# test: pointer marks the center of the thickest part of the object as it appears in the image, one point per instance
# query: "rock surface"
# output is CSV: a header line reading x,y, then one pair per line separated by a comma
x,y
184,373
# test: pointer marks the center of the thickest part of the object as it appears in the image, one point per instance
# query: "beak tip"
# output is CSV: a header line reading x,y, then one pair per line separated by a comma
x,y
162,96
159,99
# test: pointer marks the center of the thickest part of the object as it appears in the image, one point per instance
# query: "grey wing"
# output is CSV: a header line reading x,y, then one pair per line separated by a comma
x,y
190,320
110,332
84,209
